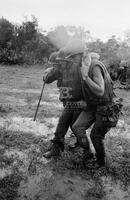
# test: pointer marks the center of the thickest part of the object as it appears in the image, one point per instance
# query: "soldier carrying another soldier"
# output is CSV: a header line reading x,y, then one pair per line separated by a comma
x,y
86,79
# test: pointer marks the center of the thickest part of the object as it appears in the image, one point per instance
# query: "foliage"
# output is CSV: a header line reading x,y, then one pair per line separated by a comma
x,y
23,44
26,44
6,33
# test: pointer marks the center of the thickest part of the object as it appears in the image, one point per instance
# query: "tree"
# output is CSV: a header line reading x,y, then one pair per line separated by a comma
x,y
127,38
6,33
27,31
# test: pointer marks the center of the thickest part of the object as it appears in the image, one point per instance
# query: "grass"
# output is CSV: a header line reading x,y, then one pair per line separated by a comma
x,y
96,192
5,108
9,186
119,160
70,163
117,165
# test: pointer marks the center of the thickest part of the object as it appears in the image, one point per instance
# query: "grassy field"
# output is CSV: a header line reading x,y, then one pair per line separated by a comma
x,y
25,174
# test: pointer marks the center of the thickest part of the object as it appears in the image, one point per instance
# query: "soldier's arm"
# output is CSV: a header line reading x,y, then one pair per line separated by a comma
x,y
96,84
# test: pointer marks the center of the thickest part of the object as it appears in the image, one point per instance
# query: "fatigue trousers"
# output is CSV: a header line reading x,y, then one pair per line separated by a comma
x,y
66,120
99,129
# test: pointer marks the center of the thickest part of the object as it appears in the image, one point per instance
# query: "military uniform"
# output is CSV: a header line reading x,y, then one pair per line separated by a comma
x,y
95,114
69,83
73,90
122,73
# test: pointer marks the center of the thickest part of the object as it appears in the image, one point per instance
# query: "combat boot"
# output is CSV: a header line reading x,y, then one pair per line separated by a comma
x,y
54,151
95,164
73,146
87,155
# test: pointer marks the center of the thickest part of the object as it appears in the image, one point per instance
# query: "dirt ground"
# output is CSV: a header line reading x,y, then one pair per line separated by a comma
x,y
25,174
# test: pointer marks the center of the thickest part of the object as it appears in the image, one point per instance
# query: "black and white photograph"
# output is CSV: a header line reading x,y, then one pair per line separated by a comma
x,y
64,100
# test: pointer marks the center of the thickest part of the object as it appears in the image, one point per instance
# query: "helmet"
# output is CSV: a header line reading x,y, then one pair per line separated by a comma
x,y
61,54
74,46
53,57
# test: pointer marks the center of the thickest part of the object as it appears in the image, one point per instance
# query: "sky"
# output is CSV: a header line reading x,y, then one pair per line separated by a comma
x,y
103,18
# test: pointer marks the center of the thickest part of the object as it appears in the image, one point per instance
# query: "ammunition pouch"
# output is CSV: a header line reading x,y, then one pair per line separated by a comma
x,y
82,105
110,113
75,104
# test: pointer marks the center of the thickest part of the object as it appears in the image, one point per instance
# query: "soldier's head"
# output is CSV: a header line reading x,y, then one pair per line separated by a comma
x,y
52,58
73,50
61,55
74,47
61,58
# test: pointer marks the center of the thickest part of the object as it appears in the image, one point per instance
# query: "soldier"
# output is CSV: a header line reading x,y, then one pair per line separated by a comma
x,y
67,74
113,73
98,95
84,78
122,73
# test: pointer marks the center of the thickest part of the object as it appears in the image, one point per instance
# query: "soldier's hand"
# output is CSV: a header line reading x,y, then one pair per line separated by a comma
x,y
46,73
86,62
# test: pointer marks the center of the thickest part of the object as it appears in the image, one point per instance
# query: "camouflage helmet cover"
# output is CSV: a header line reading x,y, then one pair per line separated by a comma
x,y
53,57
73,47
61,55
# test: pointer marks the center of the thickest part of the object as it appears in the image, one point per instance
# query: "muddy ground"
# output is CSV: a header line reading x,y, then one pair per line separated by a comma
x,y
25,174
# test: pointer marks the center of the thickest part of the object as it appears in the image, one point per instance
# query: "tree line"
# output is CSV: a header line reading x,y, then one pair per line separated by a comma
x,y
23,43
26,43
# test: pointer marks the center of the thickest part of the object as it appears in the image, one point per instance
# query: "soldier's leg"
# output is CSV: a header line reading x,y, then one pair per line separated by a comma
x,y
84,121
63,125
76,114
97,136
61,130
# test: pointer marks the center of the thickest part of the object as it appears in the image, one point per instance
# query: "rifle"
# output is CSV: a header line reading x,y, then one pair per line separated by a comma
x,y
39,100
